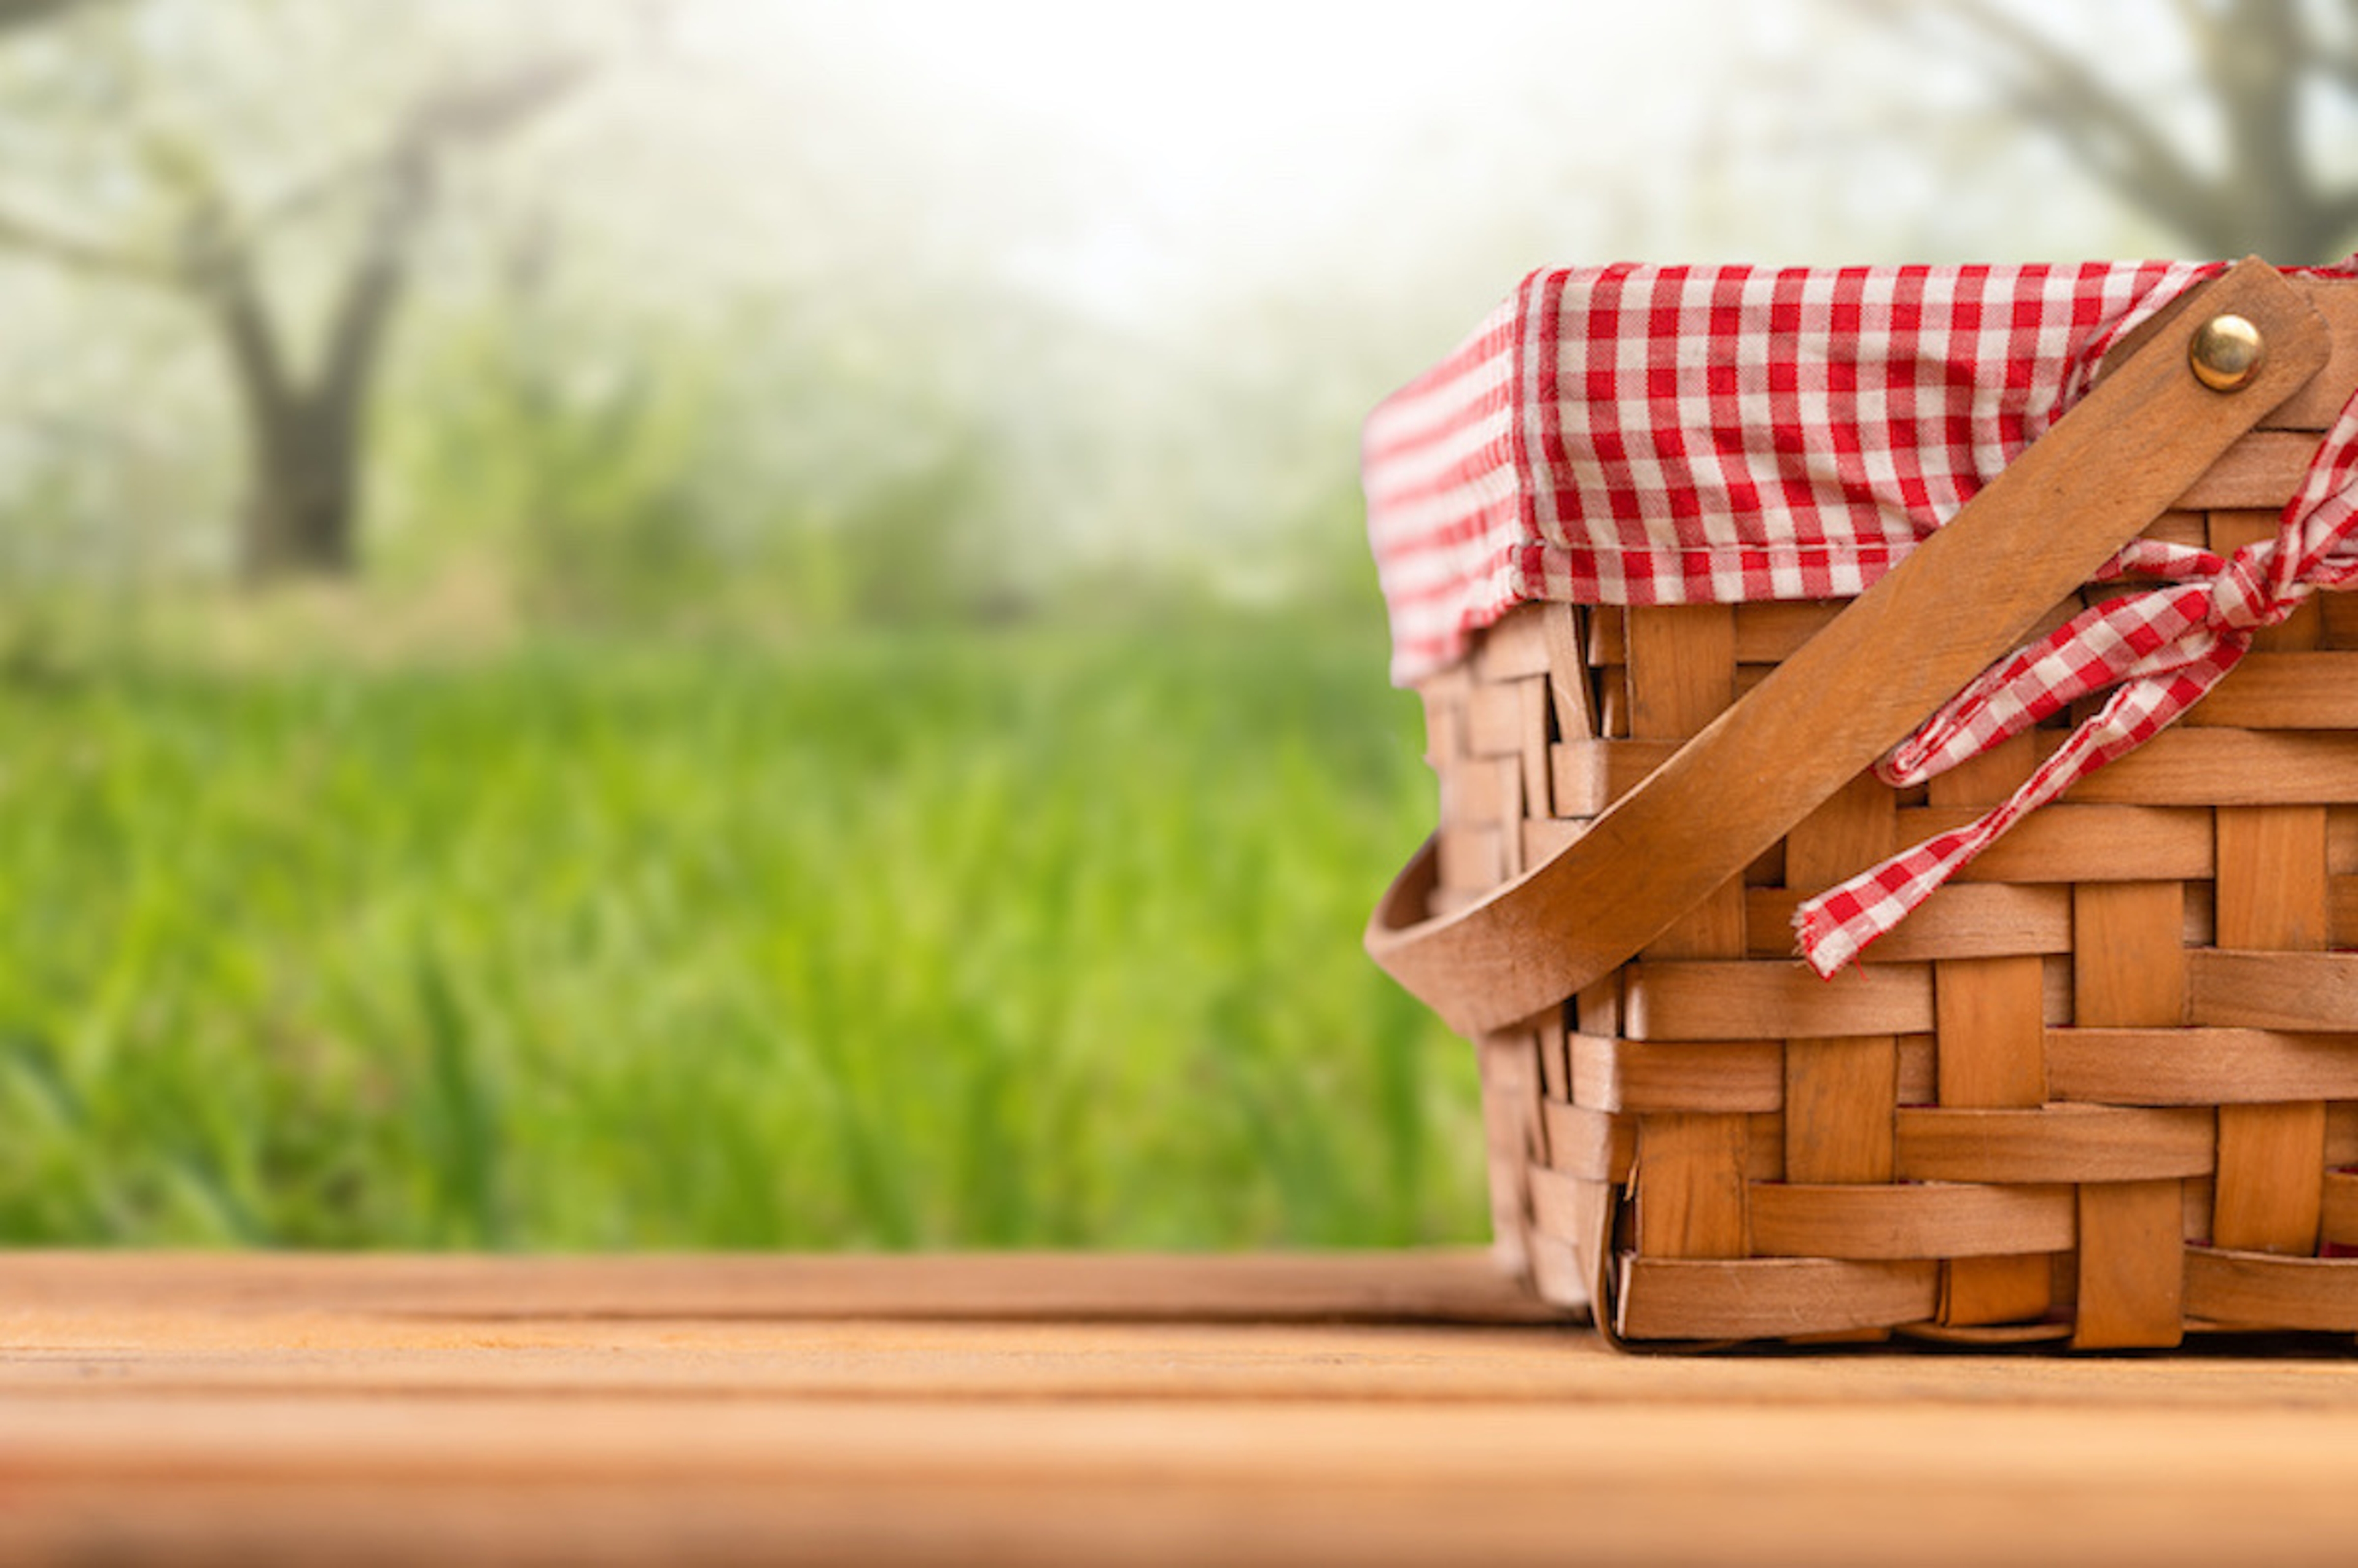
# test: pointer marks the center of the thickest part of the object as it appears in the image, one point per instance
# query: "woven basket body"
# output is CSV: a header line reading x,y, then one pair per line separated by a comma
x,y
2103,1087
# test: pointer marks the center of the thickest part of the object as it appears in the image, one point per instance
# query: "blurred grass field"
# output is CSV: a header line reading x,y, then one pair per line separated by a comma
x,y
1037,937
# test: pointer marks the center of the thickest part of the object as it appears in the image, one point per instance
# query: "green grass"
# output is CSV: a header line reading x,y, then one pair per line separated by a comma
x,y
1049,938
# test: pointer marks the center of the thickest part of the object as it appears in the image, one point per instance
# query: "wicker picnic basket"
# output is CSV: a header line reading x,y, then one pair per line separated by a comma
x,y
2103,1087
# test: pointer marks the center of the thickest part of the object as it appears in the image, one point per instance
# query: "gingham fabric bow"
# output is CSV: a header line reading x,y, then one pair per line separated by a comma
x,y
2163,649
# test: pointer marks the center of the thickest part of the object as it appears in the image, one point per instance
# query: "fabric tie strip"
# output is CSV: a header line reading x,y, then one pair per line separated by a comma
x,y
1645,435
2161,650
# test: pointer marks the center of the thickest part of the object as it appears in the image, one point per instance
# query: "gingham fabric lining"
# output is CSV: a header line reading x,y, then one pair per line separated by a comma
x,y
1634,434
1647,435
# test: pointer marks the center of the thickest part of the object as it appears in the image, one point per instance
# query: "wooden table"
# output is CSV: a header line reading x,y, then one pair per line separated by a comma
x,y
1356,1408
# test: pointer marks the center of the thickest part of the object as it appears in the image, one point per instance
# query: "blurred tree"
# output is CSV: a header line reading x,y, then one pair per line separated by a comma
x,y
2256,65
198,233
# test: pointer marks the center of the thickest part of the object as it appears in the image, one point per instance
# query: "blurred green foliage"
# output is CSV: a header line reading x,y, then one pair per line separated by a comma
x,y
629,482
739,806
1045,936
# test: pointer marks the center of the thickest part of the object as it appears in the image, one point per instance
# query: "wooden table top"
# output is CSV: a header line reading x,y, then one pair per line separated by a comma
x,y
1361,1409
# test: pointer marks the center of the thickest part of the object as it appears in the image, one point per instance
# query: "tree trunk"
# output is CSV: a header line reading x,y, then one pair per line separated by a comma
x,y
302,510
305,439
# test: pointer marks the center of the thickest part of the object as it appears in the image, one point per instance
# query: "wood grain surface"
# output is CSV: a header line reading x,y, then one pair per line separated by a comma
x,y
1366,1409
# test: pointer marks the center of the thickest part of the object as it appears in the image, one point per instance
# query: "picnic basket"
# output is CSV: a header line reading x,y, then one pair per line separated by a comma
x,y
2101,1085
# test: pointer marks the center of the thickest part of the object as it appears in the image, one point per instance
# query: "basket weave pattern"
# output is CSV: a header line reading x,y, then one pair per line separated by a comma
x,y
2104,1087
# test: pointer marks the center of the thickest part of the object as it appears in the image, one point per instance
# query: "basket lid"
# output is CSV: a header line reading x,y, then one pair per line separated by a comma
x,y
1670,435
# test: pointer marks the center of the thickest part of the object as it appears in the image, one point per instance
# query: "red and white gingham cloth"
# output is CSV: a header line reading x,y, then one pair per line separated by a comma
x,y
1639,435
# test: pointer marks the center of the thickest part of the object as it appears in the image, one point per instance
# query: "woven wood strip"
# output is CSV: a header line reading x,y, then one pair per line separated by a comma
x,y
2268,1179
1515,649
1587,775
1750,1000
2056,1143
2337,621
1483,796
2130,1284
2255,1290
1650,1076
1839,1090
2199,1066
1688,1185
2313,992
2340,904
1570,1220
1990,1053
1768,633
1563,1204
2129,967
1759,1298
2317,690
1682,676
2342,1134
2129,970
1838,1098
1471,857
1918,1080
1555,1056
1569,684
1589,1144
1598,1146
1964,920
1930,1220
2226,767
1761,633
1993,1038
2338,1210
1559,1273
2080,844
1543,836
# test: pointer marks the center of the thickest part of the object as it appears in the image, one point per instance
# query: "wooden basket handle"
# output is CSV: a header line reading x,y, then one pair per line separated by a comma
x,y
1964,596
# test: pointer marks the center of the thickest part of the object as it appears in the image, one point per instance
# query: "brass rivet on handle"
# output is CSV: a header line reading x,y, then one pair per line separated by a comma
x,y
2226,353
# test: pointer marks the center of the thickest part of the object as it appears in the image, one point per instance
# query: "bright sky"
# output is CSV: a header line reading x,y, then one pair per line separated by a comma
x,y
1235,137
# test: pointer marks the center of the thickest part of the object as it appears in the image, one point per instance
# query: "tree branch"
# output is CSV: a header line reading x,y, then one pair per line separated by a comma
x,y
250,337
377,281
2096,124
479,112
2178,199
2336,61
495,107
17,14
34,237
2202,25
